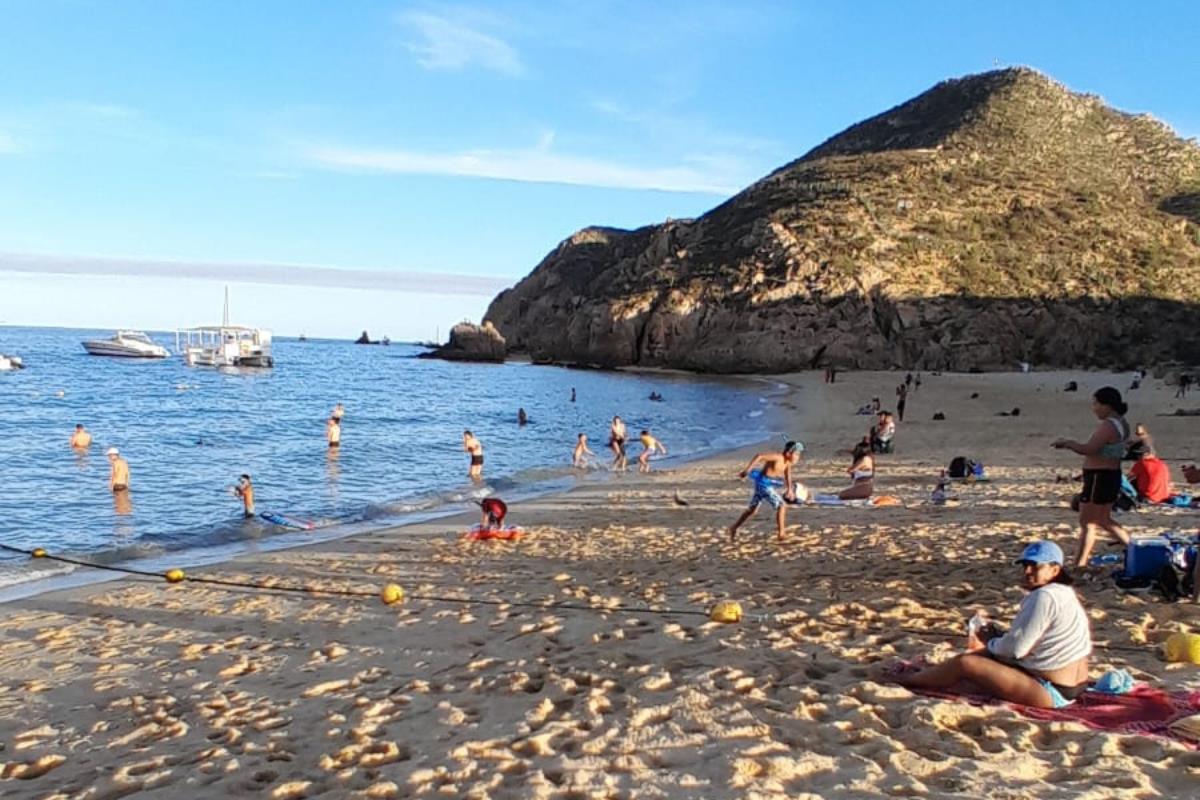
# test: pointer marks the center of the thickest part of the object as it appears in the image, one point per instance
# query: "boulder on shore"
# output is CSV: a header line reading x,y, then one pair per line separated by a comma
x,y
470,342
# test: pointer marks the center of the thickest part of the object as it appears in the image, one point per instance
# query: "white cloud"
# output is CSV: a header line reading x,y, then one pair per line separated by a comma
x,y
453,45
531,165
251,272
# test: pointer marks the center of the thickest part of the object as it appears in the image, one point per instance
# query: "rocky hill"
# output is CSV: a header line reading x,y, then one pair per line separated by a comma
x,y
993,219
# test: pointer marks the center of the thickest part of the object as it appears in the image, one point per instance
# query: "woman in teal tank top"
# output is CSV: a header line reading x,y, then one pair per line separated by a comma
x,y
1101,471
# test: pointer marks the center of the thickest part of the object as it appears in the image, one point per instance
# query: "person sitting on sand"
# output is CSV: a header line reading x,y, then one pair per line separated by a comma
x,y
81,439
882,433
862,472
579,457
1149,475
1043,660
493,511
649,446
775,474
245,490
1142,438
1101,471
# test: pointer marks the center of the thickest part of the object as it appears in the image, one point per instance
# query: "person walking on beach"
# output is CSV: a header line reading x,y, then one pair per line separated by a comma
x,y
649,446
118,476
917,382
245,491
474,449
1185,381
1102,455
616,443
901,400
774,475
333,432
579,457
81,439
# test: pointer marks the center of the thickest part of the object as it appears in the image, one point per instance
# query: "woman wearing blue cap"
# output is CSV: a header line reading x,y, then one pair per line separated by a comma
x,y
1042,660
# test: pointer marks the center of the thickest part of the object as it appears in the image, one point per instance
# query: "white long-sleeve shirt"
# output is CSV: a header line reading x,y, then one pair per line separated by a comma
x,y
1050,631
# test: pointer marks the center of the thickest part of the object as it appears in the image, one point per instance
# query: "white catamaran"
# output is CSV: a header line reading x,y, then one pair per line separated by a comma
x,y
225,345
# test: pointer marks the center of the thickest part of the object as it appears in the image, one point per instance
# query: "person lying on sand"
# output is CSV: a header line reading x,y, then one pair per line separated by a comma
x,y
1043,660
862,472
775,474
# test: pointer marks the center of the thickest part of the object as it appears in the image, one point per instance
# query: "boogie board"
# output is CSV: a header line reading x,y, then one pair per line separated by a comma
x,y
286,521
507,533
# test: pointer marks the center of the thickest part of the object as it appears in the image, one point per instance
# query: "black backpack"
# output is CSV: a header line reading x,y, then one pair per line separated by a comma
x,y
959,467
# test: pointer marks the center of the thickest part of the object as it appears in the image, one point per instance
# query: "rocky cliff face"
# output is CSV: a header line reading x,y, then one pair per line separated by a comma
x,y
994,219
471,343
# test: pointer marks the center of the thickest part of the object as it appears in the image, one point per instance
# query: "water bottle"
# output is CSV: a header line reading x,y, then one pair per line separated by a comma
x,y
974,626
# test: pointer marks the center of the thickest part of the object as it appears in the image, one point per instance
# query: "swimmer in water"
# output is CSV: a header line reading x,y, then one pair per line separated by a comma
x,y
81,439
333,432
649,445
616,443
522,417
118,477
338,412
245,490
579,457
474,448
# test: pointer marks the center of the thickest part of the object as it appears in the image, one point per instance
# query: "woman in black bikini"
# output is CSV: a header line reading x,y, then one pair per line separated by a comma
x,y
616,443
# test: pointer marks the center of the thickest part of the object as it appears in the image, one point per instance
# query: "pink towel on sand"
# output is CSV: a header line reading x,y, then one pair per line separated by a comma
x,y
1144,710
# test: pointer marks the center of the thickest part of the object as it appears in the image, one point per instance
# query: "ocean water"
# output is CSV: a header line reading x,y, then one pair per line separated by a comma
x,y
188,432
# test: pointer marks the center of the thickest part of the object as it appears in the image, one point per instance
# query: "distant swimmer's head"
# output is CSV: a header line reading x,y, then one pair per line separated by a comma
x,y
1110,399
78,427
467,434
645,433
583,437
245,477
112,452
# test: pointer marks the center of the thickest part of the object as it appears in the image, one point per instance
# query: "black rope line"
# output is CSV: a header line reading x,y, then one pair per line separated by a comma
x,y
435,598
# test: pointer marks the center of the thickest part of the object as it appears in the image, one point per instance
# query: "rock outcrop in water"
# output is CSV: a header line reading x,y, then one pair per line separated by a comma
x,y
993,219
471,343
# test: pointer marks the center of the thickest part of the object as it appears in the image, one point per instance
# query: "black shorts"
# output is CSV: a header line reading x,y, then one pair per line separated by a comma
x,y
1101,486
476,461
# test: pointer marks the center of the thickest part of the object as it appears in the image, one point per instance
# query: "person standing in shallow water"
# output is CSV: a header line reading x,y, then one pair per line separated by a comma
x,y
473,448
616,443
245,491
1102,455
118,476
81,439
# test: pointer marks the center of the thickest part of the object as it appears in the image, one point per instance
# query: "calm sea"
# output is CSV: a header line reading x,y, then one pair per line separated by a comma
x,y
188,432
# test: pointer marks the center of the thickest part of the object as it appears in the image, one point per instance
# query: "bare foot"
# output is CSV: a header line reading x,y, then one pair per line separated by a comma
x,y
732,534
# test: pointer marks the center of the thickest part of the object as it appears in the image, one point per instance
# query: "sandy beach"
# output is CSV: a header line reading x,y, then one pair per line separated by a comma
x,y
144,688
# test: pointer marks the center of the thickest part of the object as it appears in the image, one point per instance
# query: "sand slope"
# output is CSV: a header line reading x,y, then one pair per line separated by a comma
x,y
148,689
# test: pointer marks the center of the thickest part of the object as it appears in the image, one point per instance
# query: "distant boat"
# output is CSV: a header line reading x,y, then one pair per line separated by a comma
x,y
9,363
303,338
126,344
225,345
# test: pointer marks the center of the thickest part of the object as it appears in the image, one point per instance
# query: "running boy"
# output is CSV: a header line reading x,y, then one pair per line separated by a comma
x,y
776,473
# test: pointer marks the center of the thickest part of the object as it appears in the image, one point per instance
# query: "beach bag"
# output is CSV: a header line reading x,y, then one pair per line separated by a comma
x,y
1127,500
959,467
1175,580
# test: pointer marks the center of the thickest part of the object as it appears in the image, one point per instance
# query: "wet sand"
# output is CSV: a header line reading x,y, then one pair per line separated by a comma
x,y
149,689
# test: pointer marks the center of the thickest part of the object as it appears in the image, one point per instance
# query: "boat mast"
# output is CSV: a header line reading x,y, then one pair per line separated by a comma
x,y
225,315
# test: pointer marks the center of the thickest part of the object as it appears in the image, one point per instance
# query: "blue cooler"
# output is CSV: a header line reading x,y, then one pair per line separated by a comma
x,y
1145,557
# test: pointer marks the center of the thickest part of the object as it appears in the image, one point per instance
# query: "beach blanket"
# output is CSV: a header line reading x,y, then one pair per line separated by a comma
x,y
871,502
1144,710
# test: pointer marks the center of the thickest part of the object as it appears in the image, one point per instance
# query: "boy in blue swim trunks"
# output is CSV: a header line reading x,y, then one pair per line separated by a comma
x,y
773,484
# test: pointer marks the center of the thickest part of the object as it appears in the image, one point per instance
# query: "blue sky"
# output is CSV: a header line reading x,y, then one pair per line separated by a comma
x,y
454,139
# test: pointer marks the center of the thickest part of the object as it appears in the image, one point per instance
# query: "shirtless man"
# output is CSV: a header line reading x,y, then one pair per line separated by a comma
x,y
81,439
579,457
649,445
245,490
333,432
474,448
118,476
776,474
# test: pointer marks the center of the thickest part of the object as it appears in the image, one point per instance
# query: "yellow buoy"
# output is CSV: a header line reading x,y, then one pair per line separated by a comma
x,y
1183,647
174,575
39,552
726,611
391,594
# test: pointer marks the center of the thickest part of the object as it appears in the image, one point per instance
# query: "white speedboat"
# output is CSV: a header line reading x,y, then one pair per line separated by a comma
x,y
126,344
8,363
